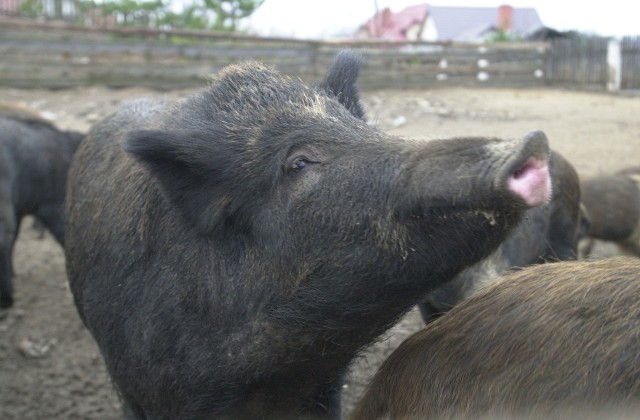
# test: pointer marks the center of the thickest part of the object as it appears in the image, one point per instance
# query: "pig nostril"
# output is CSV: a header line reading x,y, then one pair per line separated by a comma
x,y
524,169
518,173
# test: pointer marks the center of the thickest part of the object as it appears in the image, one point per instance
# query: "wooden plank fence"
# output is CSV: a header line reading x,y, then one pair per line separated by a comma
x,y
62,55
580,62
630,56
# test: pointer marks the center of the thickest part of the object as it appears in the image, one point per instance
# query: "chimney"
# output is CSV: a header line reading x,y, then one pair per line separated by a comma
x,y
505,18
381,20
387,18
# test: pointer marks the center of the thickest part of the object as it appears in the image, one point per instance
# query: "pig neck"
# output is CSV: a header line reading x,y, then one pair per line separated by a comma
x,y
300,345
283,328
340,320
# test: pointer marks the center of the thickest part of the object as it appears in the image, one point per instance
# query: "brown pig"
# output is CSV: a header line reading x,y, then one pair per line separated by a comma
x,y
550,341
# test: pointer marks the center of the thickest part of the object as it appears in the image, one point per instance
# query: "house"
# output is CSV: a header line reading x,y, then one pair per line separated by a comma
x,y
9,7
423,22
47,9
407,24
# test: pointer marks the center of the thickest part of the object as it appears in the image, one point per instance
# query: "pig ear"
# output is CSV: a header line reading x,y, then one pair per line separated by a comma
x,y
188,178
340,81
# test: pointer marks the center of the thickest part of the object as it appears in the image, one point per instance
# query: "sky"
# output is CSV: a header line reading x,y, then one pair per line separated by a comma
x,y
315,19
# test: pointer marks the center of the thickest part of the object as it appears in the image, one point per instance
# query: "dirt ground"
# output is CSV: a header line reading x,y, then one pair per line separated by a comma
x,y
51,369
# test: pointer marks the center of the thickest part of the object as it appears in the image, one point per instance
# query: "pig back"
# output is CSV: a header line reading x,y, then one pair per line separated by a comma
x,y
550,339
613,205
101,168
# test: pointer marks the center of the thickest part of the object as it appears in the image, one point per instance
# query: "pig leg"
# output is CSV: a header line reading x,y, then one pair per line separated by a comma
x,y
8,232
52,218
131,411
631,245
331,398
586,247
38,226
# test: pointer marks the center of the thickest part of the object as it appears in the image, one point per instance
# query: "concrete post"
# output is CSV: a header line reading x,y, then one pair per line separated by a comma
x,y
614,65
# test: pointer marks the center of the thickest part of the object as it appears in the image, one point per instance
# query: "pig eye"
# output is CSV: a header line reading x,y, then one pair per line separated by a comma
x,y
298,165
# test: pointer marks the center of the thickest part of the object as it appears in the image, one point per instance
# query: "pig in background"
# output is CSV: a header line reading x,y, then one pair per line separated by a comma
x,y
232,252
550,341
547,233
612,202
34,160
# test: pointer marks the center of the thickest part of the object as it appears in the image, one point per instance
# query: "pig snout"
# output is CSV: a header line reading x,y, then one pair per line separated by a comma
x,y
532,182
527,173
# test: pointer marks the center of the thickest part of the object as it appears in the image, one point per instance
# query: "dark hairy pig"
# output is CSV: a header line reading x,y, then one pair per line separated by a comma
x,y
550,341
547,233
612,202
233,251
34,160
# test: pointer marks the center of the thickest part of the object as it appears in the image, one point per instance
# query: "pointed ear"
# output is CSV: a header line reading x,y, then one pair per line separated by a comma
x,y
188,174
340,81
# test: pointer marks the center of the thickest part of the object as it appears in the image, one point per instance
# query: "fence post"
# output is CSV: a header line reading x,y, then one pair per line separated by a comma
x,y
614,65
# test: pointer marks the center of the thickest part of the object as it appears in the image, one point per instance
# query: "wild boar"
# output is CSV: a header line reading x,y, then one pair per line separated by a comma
x,y
34,160
550,341
613,204
232,252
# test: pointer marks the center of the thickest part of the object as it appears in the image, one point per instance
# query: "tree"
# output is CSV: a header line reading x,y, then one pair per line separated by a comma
x,y
190,18
219,15
134,12
501,35
229,12
199,14
36,8
31,8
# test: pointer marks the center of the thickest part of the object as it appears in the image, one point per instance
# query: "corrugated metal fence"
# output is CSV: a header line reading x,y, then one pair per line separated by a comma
x,y
60,55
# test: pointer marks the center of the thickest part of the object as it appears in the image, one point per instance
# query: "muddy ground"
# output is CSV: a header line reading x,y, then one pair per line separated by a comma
x,y
51,369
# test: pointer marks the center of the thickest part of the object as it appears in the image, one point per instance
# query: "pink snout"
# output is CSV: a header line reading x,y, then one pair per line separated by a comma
x,y
532,182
